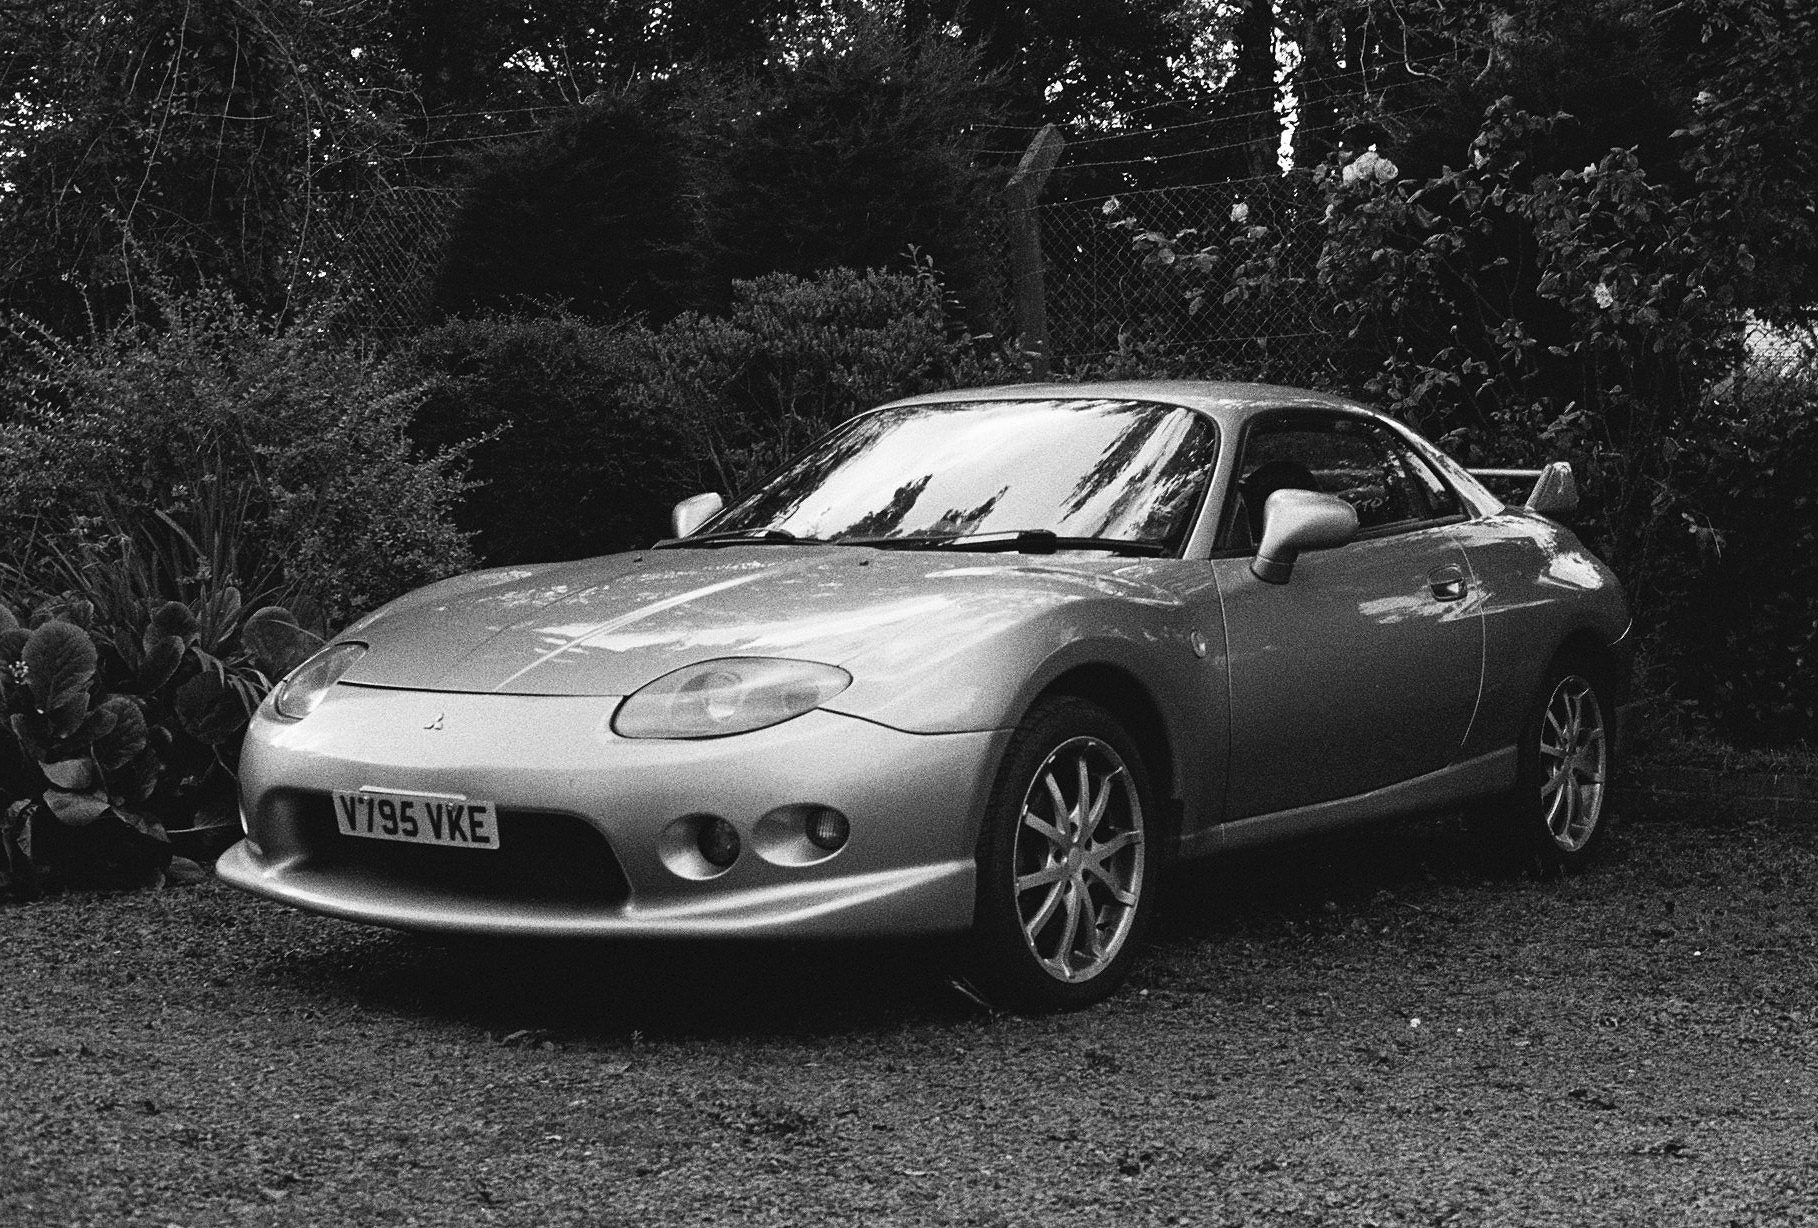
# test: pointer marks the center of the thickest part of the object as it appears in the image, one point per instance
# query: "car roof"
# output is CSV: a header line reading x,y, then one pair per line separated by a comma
x,y
1229,403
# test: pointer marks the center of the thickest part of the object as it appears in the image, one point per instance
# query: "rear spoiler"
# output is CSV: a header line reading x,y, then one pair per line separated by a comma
x,y
1555,491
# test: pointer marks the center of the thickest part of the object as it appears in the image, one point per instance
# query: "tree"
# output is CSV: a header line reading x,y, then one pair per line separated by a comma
x,y
191,138
594,213
850,156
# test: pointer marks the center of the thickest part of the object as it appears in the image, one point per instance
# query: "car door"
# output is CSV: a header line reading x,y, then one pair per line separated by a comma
x,y
1363,670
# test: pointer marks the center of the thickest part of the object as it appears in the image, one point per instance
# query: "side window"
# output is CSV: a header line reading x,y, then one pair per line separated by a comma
x,y
1370,468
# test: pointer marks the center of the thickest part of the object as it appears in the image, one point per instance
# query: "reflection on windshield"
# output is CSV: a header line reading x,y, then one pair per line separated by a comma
x,y
1126,470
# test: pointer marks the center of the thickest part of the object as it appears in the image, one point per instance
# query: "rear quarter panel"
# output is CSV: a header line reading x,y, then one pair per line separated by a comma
x,y
1537,587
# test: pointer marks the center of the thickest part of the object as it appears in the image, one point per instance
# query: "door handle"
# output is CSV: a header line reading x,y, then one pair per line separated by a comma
x,y
1447,583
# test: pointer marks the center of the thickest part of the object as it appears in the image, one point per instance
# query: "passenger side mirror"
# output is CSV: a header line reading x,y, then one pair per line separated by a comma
x,y
693,512
1297,520
1555,492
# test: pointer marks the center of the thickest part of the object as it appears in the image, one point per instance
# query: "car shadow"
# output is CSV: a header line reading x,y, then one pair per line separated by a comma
x,y
1251,892
532,992
527,991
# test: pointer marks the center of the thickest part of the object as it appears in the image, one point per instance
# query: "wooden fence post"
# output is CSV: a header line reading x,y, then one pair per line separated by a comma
x,y
1021,195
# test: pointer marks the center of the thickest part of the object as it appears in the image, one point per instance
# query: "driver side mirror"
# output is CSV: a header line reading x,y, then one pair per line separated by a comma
x,y
693,512
1297,520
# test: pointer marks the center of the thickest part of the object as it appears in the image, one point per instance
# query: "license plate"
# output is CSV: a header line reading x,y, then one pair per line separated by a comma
x,y
446,820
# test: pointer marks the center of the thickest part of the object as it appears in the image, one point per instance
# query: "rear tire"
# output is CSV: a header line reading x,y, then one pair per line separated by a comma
x,y
1066,867
1558,811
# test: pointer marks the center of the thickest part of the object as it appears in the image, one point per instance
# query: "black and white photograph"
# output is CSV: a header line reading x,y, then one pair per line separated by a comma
x,y
909,612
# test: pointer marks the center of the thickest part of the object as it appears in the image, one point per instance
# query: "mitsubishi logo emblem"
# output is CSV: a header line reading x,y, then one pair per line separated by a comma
x,y
435,724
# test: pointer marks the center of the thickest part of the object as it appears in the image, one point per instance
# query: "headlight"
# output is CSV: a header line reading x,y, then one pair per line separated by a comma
x,y
731,695
308,685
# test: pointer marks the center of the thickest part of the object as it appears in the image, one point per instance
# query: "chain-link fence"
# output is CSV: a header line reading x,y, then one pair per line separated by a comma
x,y
1179,274
1779,351
376,252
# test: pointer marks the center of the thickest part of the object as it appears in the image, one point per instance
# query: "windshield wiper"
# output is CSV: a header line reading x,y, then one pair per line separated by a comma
x,y
1046,541
1020,541
909,541
737,537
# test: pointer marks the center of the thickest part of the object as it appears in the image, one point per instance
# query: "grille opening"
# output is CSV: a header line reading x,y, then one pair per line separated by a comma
x,y
543,856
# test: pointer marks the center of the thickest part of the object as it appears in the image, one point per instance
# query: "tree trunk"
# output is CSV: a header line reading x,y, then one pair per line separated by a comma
x,y
1253,87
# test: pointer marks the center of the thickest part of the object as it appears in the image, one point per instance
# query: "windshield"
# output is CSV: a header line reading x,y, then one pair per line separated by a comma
x,y
1125,471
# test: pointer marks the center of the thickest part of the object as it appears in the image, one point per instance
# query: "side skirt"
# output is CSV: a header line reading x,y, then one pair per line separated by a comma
x,y
1482,776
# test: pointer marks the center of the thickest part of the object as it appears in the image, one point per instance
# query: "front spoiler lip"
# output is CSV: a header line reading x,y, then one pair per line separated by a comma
x,y
935,898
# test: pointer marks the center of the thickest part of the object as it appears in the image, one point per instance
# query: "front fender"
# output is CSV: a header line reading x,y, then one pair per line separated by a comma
x,y
988,677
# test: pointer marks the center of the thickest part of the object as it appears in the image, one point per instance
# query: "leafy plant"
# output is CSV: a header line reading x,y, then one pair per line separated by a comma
x,y
281,449
566,459
114,748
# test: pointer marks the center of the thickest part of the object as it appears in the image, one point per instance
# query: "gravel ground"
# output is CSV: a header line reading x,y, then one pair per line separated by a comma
x,y
1355,1032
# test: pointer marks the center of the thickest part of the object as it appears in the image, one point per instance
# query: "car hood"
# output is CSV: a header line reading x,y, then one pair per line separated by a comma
x,y
609,625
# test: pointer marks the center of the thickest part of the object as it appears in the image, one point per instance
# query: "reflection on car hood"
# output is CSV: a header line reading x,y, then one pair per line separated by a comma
x,y
607,626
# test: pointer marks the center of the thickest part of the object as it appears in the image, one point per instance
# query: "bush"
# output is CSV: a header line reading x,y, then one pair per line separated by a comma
x,y
281,451
593,214
794,356
654,199
568,462
1737,642
850,156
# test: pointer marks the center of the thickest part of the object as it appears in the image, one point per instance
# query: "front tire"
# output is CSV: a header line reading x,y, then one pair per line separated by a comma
x,y
1558,810
1065,866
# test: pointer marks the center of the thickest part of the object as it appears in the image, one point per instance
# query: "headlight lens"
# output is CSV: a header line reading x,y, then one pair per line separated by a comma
x,y
730,695
308,685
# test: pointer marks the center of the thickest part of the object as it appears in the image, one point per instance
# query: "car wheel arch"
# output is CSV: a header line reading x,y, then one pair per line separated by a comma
x,y
1588,648
1125,697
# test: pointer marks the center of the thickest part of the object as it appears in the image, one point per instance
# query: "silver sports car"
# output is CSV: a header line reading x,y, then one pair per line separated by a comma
x,y
979,662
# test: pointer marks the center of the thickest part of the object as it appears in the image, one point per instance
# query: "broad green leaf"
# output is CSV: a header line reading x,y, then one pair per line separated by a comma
x,y
68,716
88,727
115,748
34,733
76,809
209,710
277,644
162,656
144,772
74,775
59,663
143,824
174,619
12,644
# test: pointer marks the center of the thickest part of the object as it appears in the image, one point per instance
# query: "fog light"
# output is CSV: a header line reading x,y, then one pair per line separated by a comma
x,y
828,829
718,841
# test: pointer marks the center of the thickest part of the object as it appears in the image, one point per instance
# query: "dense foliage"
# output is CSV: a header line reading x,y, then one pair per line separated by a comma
x,y
653,198
168,496
568,462
794,356
200,138
280,451
594,213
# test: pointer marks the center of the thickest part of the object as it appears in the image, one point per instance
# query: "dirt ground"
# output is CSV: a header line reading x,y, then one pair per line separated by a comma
x,y
1368,1031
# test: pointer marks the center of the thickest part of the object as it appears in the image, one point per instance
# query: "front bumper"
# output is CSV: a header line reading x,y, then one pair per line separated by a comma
x,y
914,802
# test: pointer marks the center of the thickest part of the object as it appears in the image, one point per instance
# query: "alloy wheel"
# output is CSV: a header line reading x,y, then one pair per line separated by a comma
x,y
1079,859
1574,763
